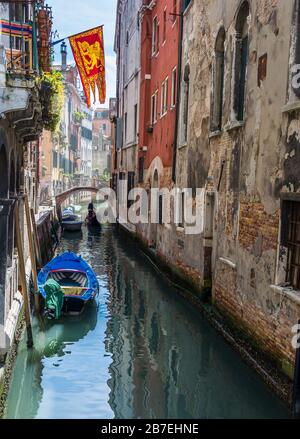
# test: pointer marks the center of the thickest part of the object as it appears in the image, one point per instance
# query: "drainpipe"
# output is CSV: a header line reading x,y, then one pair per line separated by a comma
x,y
179,67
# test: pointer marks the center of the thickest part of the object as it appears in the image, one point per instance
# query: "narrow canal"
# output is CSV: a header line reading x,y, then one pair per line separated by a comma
x,y
139,352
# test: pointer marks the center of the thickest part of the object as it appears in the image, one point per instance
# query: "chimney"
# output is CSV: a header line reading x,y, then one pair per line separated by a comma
x,y
63,51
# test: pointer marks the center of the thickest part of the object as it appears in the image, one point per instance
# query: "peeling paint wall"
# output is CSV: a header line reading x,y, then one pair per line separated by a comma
x,y
246,166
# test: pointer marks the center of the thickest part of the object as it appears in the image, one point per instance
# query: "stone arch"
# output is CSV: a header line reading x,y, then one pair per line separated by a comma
x,y
3,173
218,81
12,178
241,60
241,23
155,179
185,102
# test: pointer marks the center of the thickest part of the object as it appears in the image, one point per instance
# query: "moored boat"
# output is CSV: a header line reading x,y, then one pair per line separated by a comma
x,y
71,278
72,225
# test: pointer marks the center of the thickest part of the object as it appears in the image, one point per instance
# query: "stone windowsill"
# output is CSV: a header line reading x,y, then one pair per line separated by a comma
x,y
180,229
289,292
213,134
186,11
129,145
228,262
182,145
234,125
291,106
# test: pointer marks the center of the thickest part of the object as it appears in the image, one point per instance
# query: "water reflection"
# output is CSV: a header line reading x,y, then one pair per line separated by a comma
x,y
52,342
142,352
167,361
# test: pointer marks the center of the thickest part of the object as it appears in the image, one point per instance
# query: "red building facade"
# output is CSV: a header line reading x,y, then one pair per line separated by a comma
x,y
160,26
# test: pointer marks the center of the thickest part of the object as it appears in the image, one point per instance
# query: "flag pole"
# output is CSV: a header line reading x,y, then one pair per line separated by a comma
x,y
75,35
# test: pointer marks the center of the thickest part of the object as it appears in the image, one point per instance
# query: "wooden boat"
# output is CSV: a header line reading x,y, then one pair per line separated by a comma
x,y
68,214
72,225
76,279
70,221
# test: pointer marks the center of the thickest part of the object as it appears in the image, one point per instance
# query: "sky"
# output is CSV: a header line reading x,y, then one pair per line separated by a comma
x,y
74,16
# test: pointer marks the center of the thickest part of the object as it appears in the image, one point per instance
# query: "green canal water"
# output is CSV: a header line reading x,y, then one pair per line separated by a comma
x,y
140,351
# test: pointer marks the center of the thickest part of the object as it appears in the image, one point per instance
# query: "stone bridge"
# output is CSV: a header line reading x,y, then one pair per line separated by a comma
x,y
63,196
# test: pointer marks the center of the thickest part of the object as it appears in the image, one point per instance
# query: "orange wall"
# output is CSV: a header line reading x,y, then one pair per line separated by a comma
x,y
160,142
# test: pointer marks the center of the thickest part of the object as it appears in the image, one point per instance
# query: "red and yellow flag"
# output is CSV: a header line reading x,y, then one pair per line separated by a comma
x,y
88,51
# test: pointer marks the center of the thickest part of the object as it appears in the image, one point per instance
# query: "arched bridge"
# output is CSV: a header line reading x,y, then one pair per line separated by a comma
x,y
63,196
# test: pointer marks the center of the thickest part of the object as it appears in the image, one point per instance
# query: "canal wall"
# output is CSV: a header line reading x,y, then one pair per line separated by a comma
x,y
14,324
250,349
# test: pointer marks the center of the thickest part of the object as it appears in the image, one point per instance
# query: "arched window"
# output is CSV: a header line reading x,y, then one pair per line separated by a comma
x,y
294,89
218,82
241,60
185,101
12,179
3,173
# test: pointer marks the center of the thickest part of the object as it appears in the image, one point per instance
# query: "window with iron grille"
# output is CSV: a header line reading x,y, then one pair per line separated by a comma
x,y
292,219
141,169
160,209
130,185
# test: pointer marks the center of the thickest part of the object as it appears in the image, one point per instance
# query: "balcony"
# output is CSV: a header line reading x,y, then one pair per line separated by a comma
x,y
20,61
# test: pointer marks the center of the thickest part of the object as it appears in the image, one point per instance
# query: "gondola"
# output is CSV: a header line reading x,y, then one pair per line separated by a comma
x,y
72,225
74,278
92,222
70,221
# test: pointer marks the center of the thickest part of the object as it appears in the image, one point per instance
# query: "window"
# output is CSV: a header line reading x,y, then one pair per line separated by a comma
x,y
294,89
185,4
155,36
165,26
125,127
141,169
241,60
154,108
135,120
160,209
218,82
182,212
130,185
174,17
164,98
185,109
174,87
291,239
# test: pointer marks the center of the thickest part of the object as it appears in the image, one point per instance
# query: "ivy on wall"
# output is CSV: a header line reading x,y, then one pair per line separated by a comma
x,y
52,99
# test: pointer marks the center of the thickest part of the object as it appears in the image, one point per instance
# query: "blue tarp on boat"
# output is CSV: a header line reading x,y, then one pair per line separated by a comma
x,y
70,262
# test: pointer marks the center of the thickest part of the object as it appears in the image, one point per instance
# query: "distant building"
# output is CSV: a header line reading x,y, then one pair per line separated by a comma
x,y
102,144
126,130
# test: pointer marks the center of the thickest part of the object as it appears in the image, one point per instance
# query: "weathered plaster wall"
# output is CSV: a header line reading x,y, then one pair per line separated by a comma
x,y
245,166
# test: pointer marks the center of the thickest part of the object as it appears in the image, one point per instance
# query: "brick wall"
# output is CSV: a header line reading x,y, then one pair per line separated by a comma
x,y
269,325
255,223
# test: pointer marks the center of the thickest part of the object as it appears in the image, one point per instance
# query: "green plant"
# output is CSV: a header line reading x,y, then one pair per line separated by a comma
x,y
78,116
52,99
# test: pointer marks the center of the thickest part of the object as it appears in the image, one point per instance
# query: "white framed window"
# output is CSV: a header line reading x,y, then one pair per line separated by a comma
x,y
164,98
174,87
155,36
154,108
165,25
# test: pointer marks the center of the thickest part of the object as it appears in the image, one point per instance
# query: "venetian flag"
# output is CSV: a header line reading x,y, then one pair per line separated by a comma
x,y
88,51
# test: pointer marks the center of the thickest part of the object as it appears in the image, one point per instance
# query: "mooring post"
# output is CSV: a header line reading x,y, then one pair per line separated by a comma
x,y
35,240
296,387
22,274
32,253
